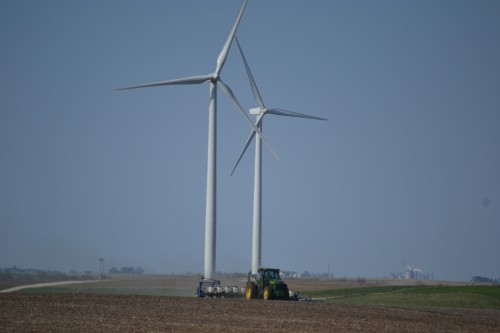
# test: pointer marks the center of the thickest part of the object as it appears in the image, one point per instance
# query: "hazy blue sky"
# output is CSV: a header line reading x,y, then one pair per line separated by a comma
x,y
405,172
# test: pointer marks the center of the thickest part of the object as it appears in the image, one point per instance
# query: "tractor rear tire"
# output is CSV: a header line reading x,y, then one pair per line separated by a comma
x,y
251,290
287,294
268,293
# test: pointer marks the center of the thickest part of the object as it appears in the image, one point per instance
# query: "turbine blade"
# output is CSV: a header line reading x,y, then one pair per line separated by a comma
x,y
225,50
281,112
249,140
255,90
229,93
187,80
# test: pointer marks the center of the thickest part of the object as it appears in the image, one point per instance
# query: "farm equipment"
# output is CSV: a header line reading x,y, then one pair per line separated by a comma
x,y
267,284
207,287
212,289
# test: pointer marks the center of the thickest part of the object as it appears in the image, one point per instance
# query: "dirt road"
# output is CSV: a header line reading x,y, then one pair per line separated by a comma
x,y
20,312
46,284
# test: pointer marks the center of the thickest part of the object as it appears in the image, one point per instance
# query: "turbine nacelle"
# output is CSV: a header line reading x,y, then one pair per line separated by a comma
x,y
257,111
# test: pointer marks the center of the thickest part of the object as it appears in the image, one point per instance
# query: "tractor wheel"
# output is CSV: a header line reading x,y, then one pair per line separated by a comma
x,y
268,293
287,294
251,290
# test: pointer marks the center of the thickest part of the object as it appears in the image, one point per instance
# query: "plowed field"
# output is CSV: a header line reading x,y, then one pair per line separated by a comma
x,y
23,312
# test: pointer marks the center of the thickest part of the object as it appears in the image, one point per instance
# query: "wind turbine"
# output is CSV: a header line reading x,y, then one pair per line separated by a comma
x,y
214,79
260,112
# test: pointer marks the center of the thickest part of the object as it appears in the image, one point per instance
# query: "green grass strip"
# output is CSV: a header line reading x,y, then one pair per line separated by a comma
x,y
471,297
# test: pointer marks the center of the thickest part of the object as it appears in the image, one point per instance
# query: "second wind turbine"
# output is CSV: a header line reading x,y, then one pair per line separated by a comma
x,y
260,112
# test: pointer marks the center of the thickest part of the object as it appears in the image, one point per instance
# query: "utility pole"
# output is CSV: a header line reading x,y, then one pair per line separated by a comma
x,y
101,268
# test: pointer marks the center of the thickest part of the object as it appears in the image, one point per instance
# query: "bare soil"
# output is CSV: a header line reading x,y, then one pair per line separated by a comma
x,y
23,312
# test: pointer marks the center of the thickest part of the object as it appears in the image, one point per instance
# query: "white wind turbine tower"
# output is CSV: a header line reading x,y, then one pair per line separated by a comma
x,y
260,112
214,79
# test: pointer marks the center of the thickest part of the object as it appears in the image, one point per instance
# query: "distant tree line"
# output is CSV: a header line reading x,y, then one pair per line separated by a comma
x,y
478,278
126,270
15,273
15,269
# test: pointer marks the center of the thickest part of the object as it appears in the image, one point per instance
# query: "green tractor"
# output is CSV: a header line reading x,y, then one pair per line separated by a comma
x,y
267,284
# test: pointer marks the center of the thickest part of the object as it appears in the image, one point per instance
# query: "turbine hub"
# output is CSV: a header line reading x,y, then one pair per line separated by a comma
x,y
215,77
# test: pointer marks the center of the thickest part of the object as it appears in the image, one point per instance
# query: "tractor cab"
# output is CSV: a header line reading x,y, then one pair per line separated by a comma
x,y
269,274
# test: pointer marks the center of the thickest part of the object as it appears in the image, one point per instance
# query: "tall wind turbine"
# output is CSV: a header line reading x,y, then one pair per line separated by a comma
x,y
260,112
214,79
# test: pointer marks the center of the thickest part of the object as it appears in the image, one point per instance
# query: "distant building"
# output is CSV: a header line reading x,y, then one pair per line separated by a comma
x,y
415,273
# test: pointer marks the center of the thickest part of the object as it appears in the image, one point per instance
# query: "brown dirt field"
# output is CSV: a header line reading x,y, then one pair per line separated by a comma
x,y
20,312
